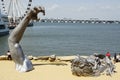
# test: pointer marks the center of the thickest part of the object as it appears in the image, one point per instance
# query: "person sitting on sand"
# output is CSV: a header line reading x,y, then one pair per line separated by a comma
x,y
99,55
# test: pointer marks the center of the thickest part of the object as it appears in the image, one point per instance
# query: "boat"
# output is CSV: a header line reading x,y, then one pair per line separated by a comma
x,y
3,27
30,24
12,26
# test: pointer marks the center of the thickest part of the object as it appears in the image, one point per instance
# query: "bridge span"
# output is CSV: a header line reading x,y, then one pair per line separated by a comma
x,y
79,21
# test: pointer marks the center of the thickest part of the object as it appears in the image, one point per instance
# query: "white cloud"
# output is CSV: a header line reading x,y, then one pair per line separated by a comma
x,y
106,7
82,8
53,7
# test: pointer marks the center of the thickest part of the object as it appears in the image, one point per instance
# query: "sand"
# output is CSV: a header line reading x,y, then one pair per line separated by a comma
x,y
45,70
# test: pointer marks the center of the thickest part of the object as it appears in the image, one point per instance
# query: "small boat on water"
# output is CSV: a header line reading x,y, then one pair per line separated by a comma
x,y
12,26
3,27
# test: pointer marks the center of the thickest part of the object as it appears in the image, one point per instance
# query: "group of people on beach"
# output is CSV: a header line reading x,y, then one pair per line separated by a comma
x,y
115,58
108,60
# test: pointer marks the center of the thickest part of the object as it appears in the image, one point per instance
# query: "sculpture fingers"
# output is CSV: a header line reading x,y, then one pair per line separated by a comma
x,y
42,9
37,10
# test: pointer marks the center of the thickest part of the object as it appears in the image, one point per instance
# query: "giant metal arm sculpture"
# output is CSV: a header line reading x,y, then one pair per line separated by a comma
x,y
23,64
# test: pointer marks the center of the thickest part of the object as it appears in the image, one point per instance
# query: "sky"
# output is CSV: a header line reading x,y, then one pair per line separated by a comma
x,y
81,9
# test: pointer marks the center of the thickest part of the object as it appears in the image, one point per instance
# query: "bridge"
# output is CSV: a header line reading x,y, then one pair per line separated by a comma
x,y
79,21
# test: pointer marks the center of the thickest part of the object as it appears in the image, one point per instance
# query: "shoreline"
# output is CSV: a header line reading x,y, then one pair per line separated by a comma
x,y
4,57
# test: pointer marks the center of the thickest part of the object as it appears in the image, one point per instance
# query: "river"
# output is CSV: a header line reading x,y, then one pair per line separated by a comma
x,y
68,39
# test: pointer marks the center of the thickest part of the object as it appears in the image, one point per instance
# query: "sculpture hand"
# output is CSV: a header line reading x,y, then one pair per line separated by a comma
x,y
35,12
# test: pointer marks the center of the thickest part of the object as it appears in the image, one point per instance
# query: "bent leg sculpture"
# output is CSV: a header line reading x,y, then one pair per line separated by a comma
x,y
23,64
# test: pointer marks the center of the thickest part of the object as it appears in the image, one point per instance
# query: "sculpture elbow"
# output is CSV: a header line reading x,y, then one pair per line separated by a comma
x,y
16,45
12,40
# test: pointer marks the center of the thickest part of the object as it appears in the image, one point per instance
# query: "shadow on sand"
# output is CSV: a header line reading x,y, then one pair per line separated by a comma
x,y
51,63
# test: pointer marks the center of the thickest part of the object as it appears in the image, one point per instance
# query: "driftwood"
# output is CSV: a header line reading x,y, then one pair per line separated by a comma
x,y
81,67
53,58
3,57
91,66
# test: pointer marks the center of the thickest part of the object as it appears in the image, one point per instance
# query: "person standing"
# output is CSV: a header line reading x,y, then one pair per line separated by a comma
x,y
9,55
108,55
118,57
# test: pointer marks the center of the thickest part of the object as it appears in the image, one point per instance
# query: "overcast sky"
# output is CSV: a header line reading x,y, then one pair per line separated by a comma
x,y
81,9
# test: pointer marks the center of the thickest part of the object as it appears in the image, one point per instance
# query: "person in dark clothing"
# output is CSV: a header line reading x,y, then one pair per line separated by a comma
x,y
9,55
116,58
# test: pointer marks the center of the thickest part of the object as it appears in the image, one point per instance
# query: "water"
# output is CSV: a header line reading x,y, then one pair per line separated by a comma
x,y
68,39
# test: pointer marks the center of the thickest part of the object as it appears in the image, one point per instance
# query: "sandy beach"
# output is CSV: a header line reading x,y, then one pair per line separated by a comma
x,y
45,70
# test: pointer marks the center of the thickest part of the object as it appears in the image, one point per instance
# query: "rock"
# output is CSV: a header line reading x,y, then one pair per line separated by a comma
x,y
52,58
